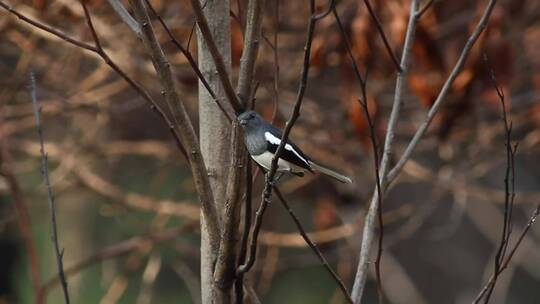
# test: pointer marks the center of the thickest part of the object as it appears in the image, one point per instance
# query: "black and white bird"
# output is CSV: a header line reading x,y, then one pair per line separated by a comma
x,y
262,141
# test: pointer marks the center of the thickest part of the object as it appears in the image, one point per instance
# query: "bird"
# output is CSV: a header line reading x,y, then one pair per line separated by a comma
x,y
262,140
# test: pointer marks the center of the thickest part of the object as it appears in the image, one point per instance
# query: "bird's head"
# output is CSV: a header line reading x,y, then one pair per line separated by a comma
x,y
250,119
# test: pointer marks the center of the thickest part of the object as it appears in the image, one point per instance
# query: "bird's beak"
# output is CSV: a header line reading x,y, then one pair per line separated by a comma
x,y
243,122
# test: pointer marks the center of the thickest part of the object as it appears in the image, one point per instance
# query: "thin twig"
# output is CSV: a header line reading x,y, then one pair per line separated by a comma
x,y
48,29
509,186
362,81
313,246
384,38
375,147
424,9
52,203
329,9
369,226
510,255
191,32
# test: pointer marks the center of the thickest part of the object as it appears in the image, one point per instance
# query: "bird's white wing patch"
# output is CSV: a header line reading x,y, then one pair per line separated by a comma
x,y
277,141
271,138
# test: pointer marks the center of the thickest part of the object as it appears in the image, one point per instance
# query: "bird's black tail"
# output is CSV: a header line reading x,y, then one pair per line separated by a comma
x,y
324,170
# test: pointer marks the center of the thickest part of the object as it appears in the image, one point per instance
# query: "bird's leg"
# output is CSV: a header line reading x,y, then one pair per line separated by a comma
x,y
278,176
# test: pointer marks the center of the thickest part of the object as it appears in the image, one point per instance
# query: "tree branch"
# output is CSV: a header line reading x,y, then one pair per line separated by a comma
x,y
384,38
506,262
52,203
386,179
482,24
369,227
509,187
122,12
362,81
216,56
252,38
190,59
183,122
424,9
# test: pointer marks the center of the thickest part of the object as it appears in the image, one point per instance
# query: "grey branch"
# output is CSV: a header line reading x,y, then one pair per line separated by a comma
x,y
387,178
369,226
122,12
52,203
444,91
251,48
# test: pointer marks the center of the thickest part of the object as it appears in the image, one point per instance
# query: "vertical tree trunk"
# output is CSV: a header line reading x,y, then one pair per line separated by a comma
x,y
214,127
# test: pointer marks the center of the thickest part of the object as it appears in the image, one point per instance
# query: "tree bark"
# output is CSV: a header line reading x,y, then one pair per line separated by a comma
x,y
215,130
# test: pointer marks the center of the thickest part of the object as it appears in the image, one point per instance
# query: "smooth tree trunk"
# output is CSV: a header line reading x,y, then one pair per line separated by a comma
x,y
215,129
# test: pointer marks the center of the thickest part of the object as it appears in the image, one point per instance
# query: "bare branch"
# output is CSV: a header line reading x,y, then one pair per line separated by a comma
x,y
48,29
509,188
218,59
369,227
386,179
362,81
251,48
329,9
183,122
190,59
506,262
153,104
424,9
52,203
121,11
384,38
442,94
